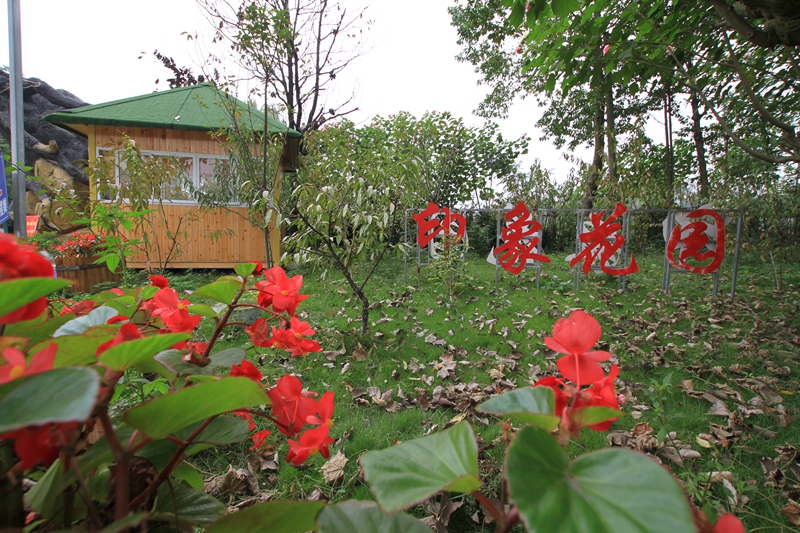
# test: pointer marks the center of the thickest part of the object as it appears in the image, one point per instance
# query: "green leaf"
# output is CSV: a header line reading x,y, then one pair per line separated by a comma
x,y
78,349
192,507
366,517
59,395
173,359
220,291
202,310
589,416
228,358
47,495
412,471
127,354
171,412
79,325
152,366
562,8
186,473
124,524
222,430
282,517
608,491
22,291
529,405
38,329
245,269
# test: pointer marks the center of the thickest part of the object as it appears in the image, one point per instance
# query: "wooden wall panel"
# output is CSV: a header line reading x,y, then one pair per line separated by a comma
x,y
197,142
198,249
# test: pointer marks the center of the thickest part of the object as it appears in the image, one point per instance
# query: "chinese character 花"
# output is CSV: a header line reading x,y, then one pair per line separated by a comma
x,y
597,242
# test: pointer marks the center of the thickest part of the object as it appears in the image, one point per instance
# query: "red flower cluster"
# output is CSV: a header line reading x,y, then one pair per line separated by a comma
x,y
22,261
85,243
279,291
173,311
40,443
293,409
127,332
291,338
598,394
17,365
575,336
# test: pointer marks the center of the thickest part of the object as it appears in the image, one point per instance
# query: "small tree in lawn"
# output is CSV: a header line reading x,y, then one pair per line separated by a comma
x,y
346,204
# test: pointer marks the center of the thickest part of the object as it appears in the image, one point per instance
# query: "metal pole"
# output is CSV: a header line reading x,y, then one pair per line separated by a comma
x,y
736,253
496,245
405,248
16,118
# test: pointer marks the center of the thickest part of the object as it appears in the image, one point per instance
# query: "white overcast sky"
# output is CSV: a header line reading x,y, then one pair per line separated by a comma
x,y
91,49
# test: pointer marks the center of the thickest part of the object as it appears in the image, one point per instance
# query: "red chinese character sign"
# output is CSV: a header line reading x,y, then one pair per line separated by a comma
x,y
692,241
430,224
520,238
598,241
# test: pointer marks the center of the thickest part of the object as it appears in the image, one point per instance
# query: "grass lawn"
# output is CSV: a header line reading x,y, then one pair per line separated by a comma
x,y
711,384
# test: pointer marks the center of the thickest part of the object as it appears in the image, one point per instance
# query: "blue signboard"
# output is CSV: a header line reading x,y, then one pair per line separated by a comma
x,y
3,191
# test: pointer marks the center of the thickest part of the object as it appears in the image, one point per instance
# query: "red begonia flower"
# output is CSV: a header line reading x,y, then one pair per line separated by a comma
x,y
728,523
159,281
291,407
19,260
118,292
294,338
324,411
18,366
79,308
258,438
172,311
127,332
599,394
247,416
40,443
558,386
248,370
259,333
311,442
279,291
196,350
259,267
575,335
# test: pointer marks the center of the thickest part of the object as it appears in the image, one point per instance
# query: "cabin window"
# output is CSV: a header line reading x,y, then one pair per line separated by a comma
x,y
207,173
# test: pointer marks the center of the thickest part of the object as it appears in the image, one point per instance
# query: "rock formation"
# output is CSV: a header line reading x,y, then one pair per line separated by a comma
x,y
56,154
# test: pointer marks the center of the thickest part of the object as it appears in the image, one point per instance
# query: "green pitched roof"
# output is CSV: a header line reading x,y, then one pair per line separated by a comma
x,y
197,107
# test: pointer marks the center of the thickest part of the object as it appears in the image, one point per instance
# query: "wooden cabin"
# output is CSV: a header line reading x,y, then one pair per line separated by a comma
x,y
187,123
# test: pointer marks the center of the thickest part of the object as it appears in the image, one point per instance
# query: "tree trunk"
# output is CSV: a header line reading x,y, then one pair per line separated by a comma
x,y
670,155
611,134
699,145
593,176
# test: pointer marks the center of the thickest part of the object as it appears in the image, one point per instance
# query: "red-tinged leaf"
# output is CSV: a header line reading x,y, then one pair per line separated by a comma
x,y
607,491
59,395
282,517
127,354
366,517
529,405
412,471
22,291
166,414
223,290
589,416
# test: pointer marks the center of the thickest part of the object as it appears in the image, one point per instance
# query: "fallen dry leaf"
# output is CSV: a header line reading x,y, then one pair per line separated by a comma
x,y
333,469
792,512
